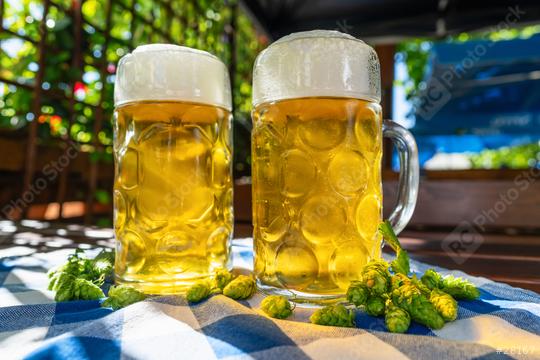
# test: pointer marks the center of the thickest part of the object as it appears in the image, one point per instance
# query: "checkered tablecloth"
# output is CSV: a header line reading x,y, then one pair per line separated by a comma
x,y
505,323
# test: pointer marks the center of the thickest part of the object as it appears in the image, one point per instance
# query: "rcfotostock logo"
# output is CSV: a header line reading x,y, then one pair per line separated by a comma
x,y
463,242
433,98
438,90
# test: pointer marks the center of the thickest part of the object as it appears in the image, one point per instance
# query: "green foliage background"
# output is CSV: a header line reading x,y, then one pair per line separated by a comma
x,y
204,24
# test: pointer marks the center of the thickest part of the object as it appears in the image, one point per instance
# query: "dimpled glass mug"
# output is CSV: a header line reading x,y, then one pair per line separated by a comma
x,y
172,148
316,148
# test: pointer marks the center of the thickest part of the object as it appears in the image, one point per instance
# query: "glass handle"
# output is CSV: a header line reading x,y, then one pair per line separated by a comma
x,y
408,173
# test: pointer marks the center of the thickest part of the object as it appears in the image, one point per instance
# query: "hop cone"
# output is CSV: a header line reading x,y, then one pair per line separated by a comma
x,y
333,315
121,296
375,306
376,276
58,278
103,263
420,285
445,304
399,279
240,288
459,288
222,277
86,290
411,299
396,319
432,279
62,283
357,293
276,306
199,291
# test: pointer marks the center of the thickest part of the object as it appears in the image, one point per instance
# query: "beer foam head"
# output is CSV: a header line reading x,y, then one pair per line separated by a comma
x,y
172,73
319,63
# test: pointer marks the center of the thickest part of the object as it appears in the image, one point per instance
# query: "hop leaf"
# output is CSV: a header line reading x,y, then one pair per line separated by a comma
x,y
375,305
376,277
240,288
445,304
396,319
276,306
222,277
401,263
411,299
459,288
333,315
357,293
121,296
199,291
432,279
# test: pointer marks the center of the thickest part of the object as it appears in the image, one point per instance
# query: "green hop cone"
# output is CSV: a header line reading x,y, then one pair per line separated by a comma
x,y
221,278
445,304
399,279
375,305
276,306
199,291
103,263
121,296
241,288
63,283
58,278
459,288
421,310
333,315
86,290
69,288
432,279
396,319
357,293
376,276
420,285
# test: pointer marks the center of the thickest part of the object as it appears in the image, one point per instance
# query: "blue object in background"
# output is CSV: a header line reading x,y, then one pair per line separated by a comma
x,y
480,95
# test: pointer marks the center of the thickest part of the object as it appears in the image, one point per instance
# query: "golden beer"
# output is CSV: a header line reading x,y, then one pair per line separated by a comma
x,y
316,167
173,214
316,192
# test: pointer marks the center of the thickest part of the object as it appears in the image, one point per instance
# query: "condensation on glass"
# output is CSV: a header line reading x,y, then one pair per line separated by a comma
x,y
173,214
317,148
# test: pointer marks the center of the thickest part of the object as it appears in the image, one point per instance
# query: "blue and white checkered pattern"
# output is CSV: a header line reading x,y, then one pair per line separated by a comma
x,y
505,323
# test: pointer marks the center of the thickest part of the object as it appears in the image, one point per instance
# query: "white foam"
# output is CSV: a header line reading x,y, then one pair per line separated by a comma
x,y
171,72
316,63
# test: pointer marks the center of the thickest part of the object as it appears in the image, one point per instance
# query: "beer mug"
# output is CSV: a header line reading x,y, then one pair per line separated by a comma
x,y
316,148
172,148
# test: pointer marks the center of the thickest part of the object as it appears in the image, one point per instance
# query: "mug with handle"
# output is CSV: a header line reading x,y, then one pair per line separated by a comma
x,y
316,155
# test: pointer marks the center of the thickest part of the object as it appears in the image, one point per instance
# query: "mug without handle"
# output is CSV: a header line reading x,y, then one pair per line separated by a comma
x,y
409,175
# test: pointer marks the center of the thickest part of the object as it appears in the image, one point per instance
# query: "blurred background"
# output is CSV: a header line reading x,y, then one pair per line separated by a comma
x,y
463,76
